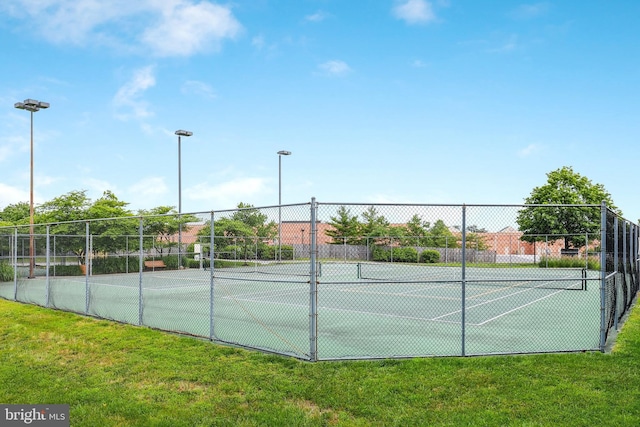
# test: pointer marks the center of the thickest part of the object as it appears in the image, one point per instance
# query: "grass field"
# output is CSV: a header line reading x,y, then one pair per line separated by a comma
x,y
113,374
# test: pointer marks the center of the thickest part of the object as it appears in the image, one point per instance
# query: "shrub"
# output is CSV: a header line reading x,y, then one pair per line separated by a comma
x,y
65,270
380,254
592,263
404,254
113,265
396,254
267,252
6,272
430,256
194,263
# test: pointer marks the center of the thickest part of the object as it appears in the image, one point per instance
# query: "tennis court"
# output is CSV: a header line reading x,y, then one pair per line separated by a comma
x,y
338,296
363,309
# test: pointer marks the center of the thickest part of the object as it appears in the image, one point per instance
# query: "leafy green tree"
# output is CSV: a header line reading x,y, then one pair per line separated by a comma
x,y
110,234
376,227
161,225
564,187
441,237
475,238
345,227
416,231
66,212
246,231
16,214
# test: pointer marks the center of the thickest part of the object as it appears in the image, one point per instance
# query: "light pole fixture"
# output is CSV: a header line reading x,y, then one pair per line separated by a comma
x,y
280,154
32,106
180,134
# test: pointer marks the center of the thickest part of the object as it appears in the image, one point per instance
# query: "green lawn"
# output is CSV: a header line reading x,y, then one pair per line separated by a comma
x,y
119,375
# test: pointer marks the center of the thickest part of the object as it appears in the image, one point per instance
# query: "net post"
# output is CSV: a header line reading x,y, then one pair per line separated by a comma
x,y
313,286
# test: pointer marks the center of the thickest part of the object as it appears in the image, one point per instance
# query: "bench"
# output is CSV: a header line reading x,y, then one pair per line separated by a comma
x,y
158,263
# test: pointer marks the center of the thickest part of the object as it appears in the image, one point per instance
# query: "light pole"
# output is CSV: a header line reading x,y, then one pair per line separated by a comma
x,y
32,106
180,134
280,154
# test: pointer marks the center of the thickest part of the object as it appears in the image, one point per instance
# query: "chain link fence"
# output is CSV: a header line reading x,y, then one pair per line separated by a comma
x,y
322,281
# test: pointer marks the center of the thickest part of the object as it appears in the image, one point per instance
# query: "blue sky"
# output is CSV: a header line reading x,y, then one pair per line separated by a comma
x,y
408,101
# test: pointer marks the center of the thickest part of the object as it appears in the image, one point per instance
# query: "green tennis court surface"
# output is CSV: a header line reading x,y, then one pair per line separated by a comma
x,y
364,309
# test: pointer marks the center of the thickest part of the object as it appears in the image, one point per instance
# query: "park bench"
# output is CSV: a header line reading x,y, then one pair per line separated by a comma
x,y
158,263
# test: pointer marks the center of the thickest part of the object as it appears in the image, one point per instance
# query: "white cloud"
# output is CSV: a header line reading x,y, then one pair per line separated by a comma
x,y
194,87
149,191
529,150
160,27
319,16
187,28
417,63
228,193
11,195
128,96
529,11
258,42
414,11
335,68
509,45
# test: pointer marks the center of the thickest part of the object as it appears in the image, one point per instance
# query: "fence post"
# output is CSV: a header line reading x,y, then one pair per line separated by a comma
x,y
464,277
603,274
212,334
15,264
140,268
615,265
86,267
48,262
313,286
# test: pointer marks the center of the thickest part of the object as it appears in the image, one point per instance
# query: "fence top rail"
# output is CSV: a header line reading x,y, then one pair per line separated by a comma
x,y
520,205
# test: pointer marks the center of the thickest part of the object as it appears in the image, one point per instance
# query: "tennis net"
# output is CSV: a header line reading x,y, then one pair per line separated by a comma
x,y
302,268
560,279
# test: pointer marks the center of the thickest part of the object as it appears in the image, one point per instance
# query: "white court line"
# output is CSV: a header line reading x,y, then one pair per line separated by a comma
x,y
358,290
162,288
517,308
325,308
267,293
437,319
502,297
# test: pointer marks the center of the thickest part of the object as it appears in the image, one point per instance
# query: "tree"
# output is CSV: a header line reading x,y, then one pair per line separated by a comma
x,y
17,214
162,223
441,236
416,232
375,227
67,212
564,187
346,228
110,234
246,232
